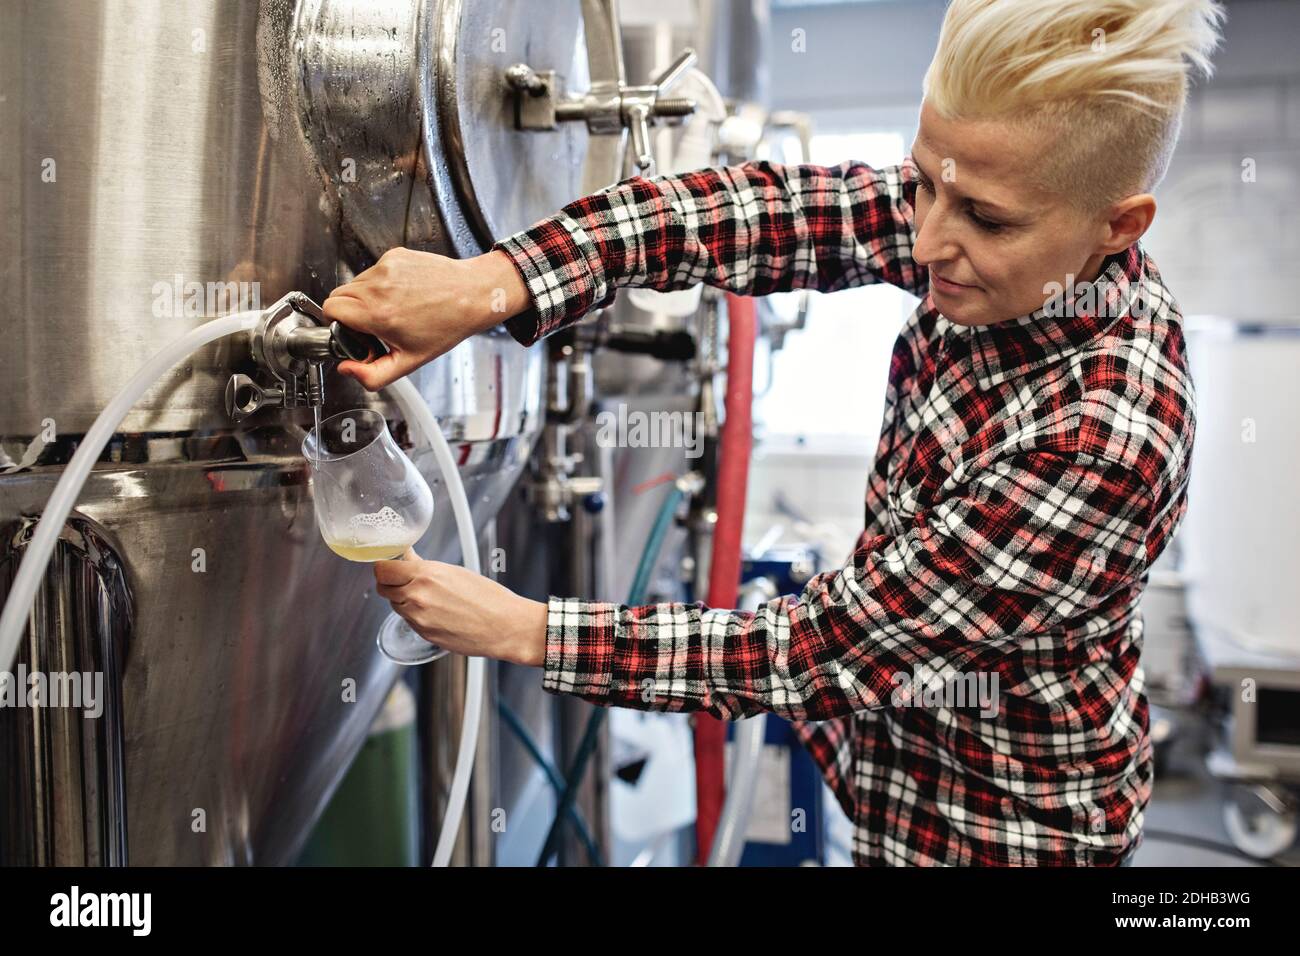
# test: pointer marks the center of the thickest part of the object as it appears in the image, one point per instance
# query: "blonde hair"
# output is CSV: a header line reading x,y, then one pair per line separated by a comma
x,y
1108,78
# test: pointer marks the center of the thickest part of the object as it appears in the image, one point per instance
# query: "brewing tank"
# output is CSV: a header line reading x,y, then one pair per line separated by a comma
x,y
162,164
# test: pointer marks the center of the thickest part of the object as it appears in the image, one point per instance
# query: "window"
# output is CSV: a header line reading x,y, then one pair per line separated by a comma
x,y
827,384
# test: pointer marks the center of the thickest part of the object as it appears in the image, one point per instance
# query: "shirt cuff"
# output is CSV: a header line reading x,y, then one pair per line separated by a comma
x,y
561,267
580,638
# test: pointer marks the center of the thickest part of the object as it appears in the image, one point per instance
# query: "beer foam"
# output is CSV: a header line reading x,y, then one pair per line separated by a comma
x,y
384,526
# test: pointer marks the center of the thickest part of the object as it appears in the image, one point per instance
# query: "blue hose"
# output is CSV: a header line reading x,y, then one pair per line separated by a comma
x,y
653,545
553,775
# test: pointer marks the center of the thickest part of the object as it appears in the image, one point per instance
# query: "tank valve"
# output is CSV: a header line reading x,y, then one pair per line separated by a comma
x,y
291,343
610,106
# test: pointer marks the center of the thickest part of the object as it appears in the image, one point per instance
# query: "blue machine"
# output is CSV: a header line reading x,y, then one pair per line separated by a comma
x,y
778,836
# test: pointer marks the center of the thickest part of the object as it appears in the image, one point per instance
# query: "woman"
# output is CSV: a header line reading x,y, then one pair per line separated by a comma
x,y
1032,464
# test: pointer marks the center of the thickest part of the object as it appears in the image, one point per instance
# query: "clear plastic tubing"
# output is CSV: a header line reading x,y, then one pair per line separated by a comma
x,y
415,410
36,559
729,842
66,491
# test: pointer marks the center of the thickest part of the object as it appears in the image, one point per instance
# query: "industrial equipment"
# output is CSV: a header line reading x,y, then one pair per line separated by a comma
x,y
231,154
181,194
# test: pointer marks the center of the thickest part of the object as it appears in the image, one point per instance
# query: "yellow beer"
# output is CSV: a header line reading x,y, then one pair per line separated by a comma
x,y
367,552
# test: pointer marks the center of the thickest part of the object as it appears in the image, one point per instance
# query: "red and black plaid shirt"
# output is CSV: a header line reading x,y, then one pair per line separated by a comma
x,y
1028,473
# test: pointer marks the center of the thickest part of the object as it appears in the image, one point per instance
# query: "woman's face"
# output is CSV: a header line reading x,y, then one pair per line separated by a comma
x,y
1003,244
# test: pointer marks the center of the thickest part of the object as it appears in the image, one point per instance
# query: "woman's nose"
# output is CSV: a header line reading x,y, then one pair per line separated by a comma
x,y
934,242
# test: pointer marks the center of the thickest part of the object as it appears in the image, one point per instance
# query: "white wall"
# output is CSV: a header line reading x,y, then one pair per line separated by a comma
x,y
1225,246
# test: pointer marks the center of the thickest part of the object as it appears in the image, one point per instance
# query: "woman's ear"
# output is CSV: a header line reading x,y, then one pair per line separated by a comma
x,y
1128,220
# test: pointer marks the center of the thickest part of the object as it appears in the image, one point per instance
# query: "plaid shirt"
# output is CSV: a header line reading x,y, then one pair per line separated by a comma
x,y
1027,475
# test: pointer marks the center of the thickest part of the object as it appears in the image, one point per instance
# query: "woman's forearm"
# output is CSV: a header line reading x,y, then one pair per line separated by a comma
x,y
751,229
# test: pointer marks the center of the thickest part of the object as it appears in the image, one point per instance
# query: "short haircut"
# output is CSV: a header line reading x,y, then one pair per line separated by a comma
x,y
1106,79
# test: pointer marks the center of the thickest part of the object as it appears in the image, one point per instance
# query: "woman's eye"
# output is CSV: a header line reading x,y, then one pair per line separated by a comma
x,y
988,225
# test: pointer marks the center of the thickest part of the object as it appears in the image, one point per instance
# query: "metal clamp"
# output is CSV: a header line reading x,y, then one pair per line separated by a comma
x,y
292,342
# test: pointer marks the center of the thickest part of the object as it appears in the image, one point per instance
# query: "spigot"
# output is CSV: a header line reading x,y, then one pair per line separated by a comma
x,y
315,385
611,105
607,108
292,342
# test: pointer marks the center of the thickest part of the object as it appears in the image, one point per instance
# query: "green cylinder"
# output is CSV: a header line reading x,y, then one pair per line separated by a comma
x,y
371,819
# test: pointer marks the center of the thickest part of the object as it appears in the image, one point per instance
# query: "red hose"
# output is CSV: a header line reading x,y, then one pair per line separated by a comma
x,y
724,567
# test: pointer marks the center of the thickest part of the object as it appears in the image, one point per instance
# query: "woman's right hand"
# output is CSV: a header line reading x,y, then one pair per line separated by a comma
x,y
421,305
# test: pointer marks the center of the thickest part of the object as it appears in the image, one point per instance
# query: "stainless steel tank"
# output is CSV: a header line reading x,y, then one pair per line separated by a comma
x,y
162,163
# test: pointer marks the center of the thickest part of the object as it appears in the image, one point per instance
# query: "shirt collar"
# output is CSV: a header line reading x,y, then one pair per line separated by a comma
x,y
1048,334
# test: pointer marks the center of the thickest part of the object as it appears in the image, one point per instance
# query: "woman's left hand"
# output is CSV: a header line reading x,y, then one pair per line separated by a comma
x,y
462,611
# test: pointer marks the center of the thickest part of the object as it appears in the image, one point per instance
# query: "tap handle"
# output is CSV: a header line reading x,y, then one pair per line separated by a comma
x,y
674,72
348,343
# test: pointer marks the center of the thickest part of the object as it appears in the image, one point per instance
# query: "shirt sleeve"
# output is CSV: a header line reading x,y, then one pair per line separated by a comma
x,y
1028,542
750,229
